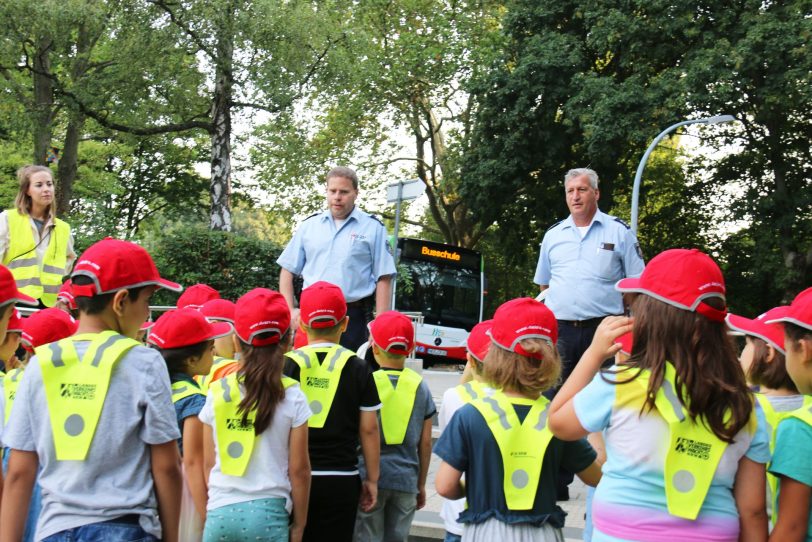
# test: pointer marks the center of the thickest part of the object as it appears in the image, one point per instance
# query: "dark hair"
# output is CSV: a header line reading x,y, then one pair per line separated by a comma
x,y
796,333
709,378
99,302
321,332
770,374
261,373
176,358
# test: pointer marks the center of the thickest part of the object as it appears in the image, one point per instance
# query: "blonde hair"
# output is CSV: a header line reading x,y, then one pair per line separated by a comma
x,y
23,200
529,376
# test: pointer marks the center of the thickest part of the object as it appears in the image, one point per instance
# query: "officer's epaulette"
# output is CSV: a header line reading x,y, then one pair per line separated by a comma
x,y
554,225
378,220
627,226
311,216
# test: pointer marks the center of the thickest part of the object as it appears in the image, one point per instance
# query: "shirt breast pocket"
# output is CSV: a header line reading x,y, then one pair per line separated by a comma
x,y
608,264
359,246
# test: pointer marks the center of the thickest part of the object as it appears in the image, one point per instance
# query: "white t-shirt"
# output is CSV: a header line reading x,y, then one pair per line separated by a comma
x,y
267,473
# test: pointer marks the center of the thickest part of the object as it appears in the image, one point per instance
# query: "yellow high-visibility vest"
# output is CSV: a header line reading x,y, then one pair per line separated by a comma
x,y
694,452
397,401
319,381
182,390
11,382
206,380
75,389
38,280
235,438
521,444
471,391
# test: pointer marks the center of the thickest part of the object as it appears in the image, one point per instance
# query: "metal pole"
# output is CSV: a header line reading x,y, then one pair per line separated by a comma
x,y
395,249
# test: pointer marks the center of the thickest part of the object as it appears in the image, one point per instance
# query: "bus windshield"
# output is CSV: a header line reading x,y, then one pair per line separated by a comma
x,y
447,296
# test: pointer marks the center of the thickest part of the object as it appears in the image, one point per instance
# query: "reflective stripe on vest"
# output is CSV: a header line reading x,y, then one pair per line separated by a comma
x,y
183,389
75,390
320,381
397,401
470,391
522,445
11,382
206,380
693,454
38,281
235,438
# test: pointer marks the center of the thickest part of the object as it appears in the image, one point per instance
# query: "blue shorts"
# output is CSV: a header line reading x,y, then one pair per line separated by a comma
x,y
125,529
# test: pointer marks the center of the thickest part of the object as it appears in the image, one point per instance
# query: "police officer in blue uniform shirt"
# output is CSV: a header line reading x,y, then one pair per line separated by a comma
x,y
346,247
581,259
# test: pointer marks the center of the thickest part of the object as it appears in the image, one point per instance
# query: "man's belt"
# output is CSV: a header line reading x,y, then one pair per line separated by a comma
x,y
362,303
592,322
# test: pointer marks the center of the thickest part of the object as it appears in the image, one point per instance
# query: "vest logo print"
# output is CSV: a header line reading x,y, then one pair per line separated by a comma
x,y
86,392
236,424
318,382
693,448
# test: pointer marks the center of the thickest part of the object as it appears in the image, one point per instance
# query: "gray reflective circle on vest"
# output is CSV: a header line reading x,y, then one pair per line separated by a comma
x,y
234,450
519,478
683,481
74,425
315,406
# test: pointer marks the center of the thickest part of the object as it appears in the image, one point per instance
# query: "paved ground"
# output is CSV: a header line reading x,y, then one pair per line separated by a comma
x,y
428,525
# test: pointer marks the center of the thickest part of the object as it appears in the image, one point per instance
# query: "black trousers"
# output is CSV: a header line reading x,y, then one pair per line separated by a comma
x,y
357,331
333,507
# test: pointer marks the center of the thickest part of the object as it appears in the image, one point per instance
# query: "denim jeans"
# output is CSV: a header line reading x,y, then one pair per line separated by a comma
x,y
106,531
451,537
390,520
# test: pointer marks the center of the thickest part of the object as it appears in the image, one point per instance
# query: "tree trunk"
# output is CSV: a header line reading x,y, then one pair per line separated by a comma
x,y
221,134
43,100
68,164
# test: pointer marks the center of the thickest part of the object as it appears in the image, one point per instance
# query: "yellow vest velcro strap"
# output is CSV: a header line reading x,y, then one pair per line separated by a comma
x,y
694,452
398,402
182,390
521,445
11,382
75,389
319,381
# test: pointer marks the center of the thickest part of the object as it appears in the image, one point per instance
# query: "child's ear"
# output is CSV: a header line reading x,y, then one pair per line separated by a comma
x,y
770,353
805,346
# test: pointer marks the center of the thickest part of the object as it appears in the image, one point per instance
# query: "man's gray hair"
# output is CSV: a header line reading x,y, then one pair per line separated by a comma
x,y
577,172
347,173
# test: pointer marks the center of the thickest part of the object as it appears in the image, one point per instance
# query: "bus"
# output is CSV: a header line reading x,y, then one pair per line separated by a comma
x,y
445,284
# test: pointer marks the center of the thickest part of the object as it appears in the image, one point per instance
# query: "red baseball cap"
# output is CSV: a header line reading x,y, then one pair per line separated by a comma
x,y
682,278
523,318
219,309
65,295
479,340
15,323
322,305
185,327
9,292
799,312
758,327
261,311
47,326
393,332
114,265
626,341
146,325
195,296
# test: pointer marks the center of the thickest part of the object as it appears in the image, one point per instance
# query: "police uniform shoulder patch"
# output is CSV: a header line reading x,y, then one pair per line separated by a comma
x,y
623,223
311,216
554,225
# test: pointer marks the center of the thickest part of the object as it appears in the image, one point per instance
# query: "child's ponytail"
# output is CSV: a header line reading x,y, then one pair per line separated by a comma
x,y
261,373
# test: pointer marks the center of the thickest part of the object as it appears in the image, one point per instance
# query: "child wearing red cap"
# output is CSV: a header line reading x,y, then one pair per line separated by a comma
x,y
793,439
196,295
678,418
455,398
342,395
501,441
256,433
94,412
405,435
226,348
185,340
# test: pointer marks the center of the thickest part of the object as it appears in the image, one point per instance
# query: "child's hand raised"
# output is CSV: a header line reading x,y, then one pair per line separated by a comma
x,y
604,343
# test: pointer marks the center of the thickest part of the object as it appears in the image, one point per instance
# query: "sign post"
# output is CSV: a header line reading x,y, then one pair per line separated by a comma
x,y
397,193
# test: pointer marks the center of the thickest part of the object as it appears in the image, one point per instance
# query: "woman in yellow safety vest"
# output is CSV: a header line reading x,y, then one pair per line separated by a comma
x,y
37,247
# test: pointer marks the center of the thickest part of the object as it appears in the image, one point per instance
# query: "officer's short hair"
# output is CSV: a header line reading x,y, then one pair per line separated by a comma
x,y
577,172
347,173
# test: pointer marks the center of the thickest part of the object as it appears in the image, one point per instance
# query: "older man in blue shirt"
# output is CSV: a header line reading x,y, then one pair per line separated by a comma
x,y
346,247
581,259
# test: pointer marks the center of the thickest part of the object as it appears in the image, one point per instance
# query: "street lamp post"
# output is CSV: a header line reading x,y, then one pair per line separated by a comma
x,y
638,177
